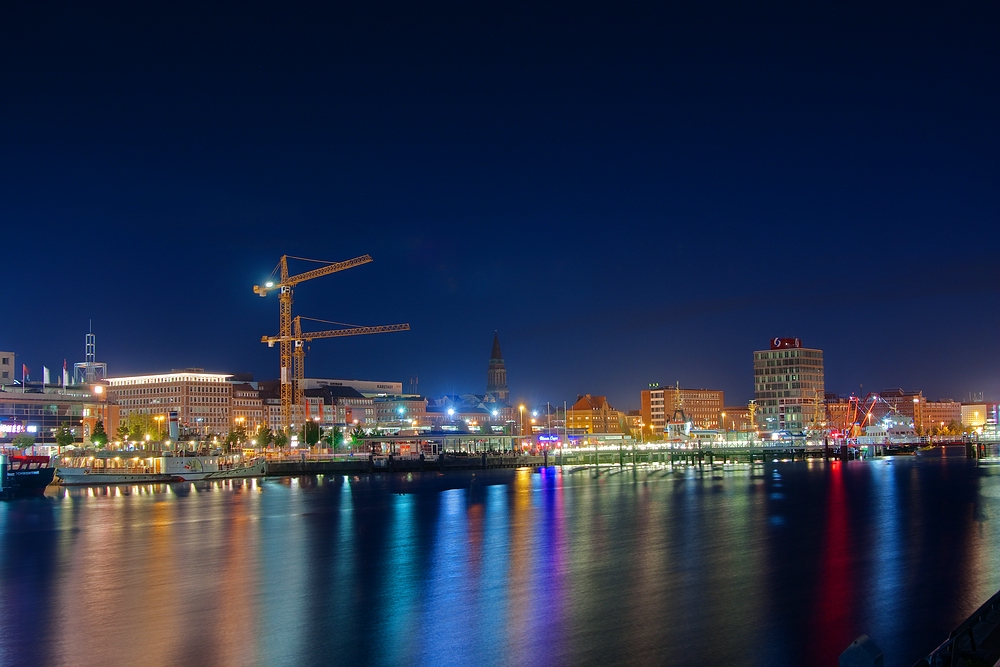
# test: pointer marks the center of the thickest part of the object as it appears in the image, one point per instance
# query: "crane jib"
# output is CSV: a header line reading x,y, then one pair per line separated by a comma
x,y
291,337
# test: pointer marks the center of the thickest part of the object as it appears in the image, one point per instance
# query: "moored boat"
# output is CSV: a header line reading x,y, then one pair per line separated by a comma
x,y
24,475
158,469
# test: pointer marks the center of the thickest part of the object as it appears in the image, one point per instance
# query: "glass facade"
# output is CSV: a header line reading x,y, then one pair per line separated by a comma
x,y
41,414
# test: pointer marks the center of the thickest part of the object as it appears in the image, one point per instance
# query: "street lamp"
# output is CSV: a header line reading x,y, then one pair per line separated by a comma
x,y
724,434
521,409
159,420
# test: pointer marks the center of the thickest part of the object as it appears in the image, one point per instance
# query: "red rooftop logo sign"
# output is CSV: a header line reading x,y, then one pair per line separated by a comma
x,y
783,343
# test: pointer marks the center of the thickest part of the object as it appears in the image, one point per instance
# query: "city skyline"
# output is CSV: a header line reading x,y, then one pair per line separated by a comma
x,y
627,196
627,398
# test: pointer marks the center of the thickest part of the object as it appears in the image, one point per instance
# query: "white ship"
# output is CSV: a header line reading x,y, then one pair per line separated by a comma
x,y
138,470
894,431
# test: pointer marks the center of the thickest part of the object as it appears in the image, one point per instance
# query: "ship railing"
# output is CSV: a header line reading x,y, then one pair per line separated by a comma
x,y
120,470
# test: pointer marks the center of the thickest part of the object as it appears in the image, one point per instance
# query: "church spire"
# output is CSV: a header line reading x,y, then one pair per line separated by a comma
x,y
496,373
495,354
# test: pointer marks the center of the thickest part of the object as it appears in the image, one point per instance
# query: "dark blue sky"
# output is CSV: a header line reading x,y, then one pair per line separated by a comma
x,y
628,192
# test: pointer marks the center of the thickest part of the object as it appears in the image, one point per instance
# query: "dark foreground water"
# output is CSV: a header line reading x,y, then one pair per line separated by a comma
x,y
784,565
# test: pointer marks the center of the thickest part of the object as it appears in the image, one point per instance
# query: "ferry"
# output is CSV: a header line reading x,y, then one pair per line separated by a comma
x,y
895,434
159,469
24,475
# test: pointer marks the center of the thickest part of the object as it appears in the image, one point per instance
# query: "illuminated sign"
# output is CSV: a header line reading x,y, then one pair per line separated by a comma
x,y
784,343
11,427
548,438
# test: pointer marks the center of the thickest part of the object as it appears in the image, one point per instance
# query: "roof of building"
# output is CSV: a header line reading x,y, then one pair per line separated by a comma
x,y
269,390
333,391
407,398
495,354
588,402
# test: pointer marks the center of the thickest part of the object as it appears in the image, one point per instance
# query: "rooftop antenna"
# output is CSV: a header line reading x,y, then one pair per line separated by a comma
x,y
90,371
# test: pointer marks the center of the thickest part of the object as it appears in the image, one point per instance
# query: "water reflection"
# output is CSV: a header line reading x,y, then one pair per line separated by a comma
x,y
776,564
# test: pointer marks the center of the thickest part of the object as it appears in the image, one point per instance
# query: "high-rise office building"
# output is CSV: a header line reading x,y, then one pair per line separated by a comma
x,y
788,386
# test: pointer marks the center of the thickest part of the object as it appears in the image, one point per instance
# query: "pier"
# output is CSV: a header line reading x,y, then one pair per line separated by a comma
x,y
313,465
309,464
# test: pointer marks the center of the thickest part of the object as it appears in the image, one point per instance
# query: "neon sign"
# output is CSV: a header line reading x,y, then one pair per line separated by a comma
x,y
11,427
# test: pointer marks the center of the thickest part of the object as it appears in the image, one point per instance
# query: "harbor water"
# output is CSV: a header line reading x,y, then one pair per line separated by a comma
x,y
781,564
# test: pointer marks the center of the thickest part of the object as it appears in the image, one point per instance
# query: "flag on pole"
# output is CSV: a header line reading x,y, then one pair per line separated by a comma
x,y
24,373
65,377
45,375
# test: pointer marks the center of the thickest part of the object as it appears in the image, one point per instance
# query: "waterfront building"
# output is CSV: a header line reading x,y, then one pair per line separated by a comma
x,y
789,386
466,412
839,412
203,401
40,412
978,415
248,407
908,404
404,411
634,424
340,406
593,414
270,398
736,418
7,373
702,407
939,414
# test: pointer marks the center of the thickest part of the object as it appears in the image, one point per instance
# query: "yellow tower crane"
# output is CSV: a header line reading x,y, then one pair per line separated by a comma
x,y
290,335
300,338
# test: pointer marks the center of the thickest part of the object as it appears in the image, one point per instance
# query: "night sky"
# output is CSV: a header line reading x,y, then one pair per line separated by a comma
x,y
627,192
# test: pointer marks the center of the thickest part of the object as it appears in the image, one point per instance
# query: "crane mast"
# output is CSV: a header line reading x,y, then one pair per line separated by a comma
x,y
291,341
298,339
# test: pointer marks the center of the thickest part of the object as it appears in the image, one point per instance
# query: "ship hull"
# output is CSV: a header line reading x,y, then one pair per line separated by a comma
x,y
28,482
257,469
66,478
